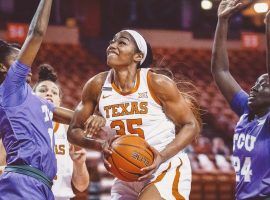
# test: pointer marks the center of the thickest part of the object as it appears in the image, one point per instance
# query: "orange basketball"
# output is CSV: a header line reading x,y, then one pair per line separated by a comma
x,y
130,154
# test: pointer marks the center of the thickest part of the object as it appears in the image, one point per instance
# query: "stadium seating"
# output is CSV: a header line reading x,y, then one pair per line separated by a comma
x,y
74,66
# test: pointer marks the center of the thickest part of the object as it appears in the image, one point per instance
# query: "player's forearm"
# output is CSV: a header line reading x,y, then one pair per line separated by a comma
x,y
76,136
36,33
62,115
80,176
184,137
40,20
220,60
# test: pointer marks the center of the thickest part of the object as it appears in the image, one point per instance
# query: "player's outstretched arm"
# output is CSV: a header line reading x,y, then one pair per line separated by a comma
x,y
86,108
267,22
62,115
220,61
36,33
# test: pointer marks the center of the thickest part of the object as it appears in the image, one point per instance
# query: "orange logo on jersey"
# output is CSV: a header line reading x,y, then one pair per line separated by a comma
x,y
131,108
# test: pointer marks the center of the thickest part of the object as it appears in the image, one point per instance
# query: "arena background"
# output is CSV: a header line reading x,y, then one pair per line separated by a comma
x,y
181,34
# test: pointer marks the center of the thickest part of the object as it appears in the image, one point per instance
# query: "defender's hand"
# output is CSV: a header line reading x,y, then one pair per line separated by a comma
x,y
77,154
228,7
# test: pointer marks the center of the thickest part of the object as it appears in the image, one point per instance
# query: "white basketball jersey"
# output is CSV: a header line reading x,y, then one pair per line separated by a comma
x,y
62,183
136,112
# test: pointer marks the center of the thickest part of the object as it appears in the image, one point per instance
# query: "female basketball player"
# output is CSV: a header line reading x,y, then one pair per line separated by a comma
x,y
136,100
252,132
71,167
26,120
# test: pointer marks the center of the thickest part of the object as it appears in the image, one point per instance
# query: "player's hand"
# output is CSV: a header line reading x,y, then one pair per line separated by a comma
x,y
228,7
77,154
107,152
93,125
150,170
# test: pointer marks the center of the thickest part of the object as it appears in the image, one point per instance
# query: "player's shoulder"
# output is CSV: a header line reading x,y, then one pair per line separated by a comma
x,y
93,86
159,80
162,86
96,81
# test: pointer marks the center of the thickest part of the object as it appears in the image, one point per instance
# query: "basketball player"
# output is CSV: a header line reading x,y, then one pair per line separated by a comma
x,y
251,140
136,100
71,167
26,120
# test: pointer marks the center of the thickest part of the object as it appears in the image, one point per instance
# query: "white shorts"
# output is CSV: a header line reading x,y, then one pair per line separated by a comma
x,y
172,179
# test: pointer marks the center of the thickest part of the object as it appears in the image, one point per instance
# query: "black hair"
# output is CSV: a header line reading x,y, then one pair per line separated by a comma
x,y
149,57
47,73
5,50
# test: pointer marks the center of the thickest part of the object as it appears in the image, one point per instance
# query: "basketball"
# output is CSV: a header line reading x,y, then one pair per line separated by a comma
x,y
130,153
